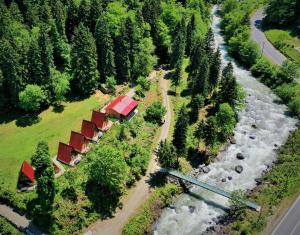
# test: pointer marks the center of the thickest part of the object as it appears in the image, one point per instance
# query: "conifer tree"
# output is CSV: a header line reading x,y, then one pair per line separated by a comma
x,y
200,131
84,61
201,83
58,10
209,42
2,97
178,47
96,12
197,102
177,75
190,35
105,50
167,155
197,54
45,14
180,131
211,131
215,67
72,18
84,12
228,92
34,62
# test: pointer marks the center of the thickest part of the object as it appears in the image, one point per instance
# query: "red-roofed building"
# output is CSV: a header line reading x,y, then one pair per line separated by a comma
x,y
90,130
66,154
101,121
79,142
26,176
122,107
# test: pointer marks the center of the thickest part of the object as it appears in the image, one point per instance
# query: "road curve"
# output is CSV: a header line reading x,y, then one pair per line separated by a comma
x,y
137,195
290,223
258,36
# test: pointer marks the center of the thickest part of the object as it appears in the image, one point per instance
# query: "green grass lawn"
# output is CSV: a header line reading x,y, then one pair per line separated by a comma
x,y
285,42
18,143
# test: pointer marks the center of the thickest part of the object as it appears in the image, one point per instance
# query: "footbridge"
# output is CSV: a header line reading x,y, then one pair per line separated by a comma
x,y
206,186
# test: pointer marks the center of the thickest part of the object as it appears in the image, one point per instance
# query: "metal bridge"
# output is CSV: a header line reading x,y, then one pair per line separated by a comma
x,y
209,187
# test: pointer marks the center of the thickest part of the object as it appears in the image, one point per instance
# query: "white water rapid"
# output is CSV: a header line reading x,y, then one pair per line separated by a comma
x,y
192,216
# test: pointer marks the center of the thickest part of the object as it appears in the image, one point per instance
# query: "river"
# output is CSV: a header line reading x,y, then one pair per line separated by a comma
x,y
192,216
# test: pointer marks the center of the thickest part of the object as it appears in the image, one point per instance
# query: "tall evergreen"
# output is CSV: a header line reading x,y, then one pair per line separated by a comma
x,y
215,67
209,42
59,11
122,55
105,50
84,12
167,156
45,14
228,92
72,18
180,131
84,61
34,62
196,56
201,82
190,35
95,13
178,47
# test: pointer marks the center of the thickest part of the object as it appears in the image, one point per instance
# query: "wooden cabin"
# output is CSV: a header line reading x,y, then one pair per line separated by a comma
x,y
79,142
66,154
90,130
101,121
26,176
123,108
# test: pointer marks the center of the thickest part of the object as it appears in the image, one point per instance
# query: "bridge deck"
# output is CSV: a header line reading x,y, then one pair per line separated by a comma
x,y
208,187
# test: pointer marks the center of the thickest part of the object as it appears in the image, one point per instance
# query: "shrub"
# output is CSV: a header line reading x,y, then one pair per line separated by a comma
x,y
143,82
294,106
32,98
111,83
155,112
287,91
249,53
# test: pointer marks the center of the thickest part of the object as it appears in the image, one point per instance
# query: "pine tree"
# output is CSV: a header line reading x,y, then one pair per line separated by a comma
x,y
196,56
44,175
211,132
105,50
96,12
200,131
201,83
84,61
190,35
215,67
2,97
45,14
177,75
72,18
197,102
167,155
180,131
209,42
58,10
122,55
228,92
178,47
34,62
84,13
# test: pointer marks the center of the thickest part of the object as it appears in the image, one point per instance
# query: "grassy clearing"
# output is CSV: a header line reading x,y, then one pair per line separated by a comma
x,y
283,40
18,143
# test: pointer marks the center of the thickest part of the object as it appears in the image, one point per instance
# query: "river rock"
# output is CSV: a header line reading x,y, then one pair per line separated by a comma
x,y
171,206
205,169
275,145
252,137
239,169
192,209
258,181
229,177
254,126
232,140
240,156
223,180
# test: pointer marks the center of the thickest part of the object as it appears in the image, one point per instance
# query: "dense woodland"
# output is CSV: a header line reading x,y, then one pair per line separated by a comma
x,y
50,50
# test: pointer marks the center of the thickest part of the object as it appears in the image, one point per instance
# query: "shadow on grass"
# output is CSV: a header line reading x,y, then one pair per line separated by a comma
x,y
58,108
28,120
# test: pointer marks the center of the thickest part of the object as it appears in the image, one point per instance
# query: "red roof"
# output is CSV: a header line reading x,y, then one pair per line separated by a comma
x,y
88,129
123,105
64,153
100,119
28,171
77,141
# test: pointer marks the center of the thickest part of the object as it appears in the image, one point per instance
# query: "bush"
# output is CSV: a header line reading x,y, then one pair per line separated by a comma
x,y
155,112
144,83
32,98
111,83
249,53
294,105
264,70
287,91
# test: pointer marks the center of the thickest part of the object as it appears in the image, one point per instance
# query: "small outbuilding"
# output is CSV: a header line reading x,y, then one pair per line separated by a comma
x,y
90,131
79,142
66,154
101,120
26,176
123,108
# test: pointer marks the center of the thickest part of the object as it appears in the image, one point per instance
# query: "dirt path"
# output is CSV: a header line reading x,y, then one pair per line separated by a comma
x,y
139,194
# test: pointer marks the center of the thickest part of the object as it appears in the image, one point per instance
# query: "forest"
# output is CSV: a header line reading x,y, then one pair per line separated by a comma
x,y
62,49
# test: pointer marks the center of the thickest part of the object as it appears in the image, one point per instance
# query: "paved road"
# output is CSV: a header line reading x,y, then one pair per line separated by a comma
x,y
20,221
258,36
290,223
139,194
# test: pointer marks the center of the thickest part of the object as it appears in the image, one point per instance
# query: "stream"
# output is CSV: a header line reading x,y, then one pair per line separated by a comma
x,y
262,126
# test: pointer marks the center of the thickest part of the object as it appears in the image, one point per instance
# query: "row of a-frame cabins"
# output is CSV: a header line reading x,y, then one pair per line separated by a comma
x,y
121,108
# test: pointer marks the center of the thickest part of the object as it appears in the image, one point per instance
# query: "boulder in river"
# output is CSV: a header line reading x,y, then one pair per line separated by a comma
x,y
258,181
229,177
205,169
240,156
239,169
275,145
252,137
232,140
223,180
171,206
254,126
192,209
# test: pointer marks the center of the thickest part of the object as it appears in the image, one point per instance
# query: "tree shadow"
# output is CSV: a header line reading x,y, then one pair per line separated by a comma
x,y
58,108
28,120
171,93
105,201
196,158
185,92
